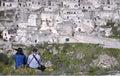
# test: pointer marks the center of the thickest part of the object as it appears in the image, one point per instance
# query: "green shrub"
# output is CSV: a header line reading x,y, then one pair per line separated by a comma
x,y
20,71
4,58
0,34
94,70
116,32
2,66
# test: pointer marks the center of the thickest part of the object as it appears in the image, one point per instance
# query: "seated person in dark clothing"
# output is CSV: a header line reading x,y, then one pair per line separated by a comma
x,y
20,58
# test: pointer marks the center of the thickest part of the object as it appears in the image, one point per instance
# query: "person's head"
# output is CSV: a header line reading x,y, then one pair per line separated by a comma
x,y
19,50
34,51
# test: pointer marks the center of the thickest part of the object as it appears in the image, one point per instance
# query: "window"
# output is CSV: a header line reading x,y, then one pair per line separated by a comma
x,y
49,3
76,6
20,4
67,39
83,7
10,5
57,20
5,34
45,34
88,21
89,7
64,5
32,2
68,12
79,30
108,1
3,4
67,17
38,3
29,4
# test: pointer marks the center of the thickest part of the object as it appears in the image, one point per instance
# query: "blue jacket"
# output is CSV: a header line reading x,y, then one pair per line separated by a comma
x,y
20,59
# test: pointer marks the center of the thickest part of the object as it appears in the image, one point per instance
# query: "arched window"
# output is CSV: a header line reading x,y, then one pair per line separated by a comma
x,y
10,5
38,3
3,4
83,7
79,30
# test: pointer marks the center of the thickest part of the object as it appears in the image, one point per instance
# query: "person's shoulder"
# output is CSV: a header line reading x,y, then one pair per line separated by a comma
x,y
16,54
37,55
30,55
24,55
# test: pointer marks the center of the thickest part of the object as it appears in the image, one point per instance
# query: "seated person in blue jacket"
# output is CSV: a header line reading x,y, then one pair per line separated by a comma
x,y
20,58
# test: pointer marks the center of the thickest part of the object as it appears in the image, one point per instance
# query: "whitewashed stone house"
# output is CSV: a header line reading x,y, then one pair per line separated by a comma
x,y
87,6
70,4
21,36
47,18
69,14
9,3
66,28
9,34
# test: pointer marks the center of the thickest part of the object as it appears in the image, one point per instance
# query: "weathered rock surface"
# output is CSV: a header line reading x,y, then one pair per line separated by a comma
x,y
79,56
105,61
48,64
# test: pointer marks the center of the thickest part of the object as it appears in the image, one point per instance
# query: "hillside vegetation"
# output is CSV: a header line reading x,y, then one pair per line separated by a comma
x,y
65,59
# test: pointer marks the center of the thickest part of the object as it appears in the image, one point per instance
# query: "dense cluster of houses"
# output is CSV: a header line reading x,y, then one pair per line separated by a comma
x,y
59,21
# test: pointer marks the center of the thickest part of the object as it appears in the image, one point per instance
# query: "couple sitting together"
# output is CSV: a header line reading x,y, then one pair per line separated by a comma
x,y
33,61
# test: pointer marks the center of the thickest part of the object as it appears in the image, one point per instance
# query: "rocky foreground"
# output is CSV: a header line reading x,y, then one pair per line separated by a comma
x,y
69,59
